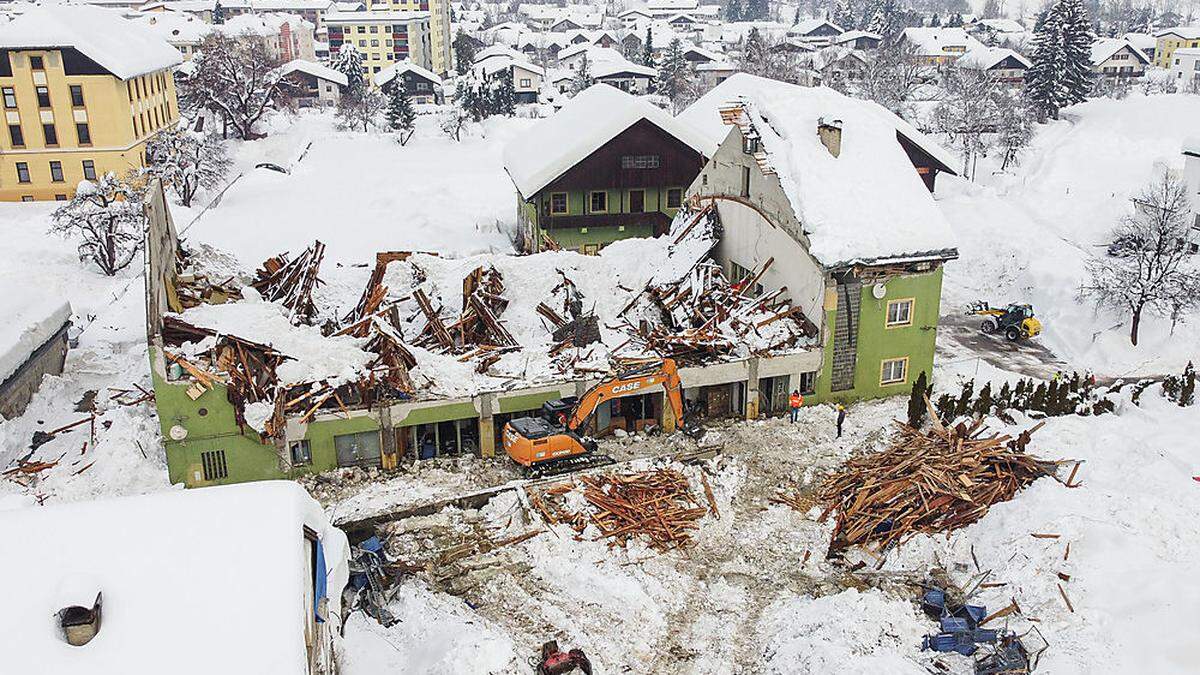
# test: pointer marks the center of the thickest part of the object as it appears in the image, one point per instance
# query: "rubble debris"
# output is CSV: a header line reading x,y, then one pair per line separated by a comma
x,y
370,580
656,505
291,282
697,313
926,482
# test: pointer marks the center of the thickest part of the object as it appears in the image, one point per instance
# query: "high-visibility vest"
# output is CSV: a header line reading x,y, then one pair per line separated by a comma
x,y
797,400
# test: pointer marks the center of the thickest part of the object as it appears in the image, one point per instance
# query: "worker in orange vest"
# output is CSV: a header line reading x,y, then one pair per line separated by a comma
x,y
796,400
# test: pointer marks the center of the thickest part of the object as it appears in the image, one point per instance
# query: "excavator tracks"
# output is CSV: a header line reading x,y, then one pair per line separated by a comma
x,y
558,467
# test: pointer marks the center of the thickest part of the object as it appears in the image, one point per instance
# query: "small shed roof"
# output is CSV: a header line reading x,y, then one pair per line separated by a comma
x,y
317,70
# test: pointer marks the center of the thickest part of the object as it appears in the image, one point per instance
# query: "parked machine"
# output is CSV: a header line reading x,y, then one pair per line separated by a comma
x,y
1015,322
550,443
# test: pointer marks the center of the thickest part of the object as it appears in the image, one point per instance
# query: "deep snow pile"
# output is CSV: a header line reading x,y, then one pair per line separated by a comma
x,y
363,193
1025,237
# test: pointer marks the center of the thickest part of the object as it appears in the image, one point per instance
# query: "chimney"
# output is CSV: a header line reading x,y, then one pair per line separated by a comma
x,y
829,130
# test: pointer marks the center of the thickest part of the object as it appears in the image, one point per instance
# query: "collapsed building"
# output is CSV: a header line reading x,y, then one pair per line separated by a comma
x,y
273,375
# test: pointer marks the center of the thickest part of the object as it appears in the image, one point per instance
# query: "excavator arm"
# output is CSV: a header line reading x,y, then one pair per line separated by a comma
x,y
633,380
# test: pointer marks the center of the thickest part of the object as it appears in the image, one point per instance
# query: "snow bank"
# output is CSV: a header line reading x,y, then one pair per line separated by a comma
x,y
437,635
224,563
29,322
850,633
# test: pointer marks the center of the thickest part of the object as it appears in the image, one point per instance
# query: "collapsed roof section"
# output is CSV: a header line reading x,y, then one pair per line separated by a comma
x,y
427,327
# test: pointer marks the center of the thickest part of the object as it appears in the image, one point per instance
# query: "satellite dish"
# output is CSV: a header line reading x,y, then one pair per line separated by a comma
x,y
177,433
879,291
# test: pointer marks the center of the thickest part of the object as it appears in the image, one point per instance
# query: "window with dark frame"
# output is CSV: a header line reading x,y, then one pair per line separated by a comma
x,y
14,134
558,202
637,201
36,63
89,169
77,96
50,133
674,198
43,97
808,382
22,172
56,174
598,203
10,98
84,133
301,452
745,181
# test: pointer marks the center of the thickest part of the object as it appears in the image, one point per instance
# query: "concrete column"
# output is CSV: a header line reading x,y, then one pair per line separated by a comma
x,y
752,388
487,429
390,458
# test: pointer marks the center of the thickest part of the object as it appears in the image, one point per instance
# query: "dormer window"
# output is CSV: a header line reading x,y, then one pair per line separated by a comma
x,y
750,145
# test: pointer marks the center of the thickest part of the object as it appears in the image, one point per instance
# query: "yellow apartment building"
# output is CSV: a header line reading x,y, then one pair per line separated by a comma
x,y
82,90
440,37
1167,41
383,38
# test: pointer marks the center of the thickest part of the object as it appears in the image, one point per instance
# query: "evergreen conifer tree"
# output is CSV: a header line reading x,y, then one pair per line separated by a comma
x,y
583,76
648,49
1187,391
672,79
218,14
349,63
916,401
401,117
1061,71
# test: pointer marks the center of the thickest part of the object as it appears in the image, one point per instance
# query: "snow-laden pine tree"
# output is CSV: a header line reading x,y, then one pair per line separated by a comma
x,y
349,62
873,18
648,48
108,216
1061,71
754,51
842,14
218,14
503,96
673,73
734,10
755,10
188,161
583,76
401,118
464,52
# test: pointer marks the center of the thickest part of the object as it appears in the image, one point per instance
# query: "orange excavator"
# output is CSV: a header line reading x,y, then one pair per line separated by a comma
x,y
551,444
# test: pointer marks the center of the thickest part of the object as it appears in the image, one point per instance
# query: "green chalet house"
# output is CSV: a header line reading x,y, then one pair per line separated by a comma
x,y
607,166
838,192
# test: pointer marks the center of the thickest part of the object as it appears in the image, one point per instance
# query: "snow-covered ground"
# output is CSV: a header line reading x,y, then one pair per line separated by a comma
x,y
744,599
1025,236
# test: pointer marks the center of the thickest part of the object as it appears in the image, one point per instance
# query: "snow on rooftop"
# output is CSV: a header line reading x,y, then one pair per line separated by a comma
x,y
389,73
809,25
1185,32
314,357
934,41
209,580
30,320
1104,48
1191,145
318,70
983,58
586,122
867,204
122,47
175,26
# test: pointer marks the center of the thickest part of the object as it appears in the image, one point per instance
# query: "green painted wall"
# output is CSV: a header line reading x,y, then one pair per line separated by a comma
x,y
438,413
527,401
578,204
877,343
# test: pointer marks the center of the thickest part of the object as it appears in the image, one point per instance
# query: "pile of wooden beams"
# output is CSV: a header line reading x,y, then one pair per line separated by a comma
x,y
926,482
478,332
291,282
657,506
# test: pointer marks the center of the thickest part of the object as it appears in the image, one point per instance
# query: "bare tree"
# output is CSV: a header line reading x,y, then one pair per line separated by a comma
x,y
893,77
188,161
453,121
361,107
1150,269
968,114
108,216
237,78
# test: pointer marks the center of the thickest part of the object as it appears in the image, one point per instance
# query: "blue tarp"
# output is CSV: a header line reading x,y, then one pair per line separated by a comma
x,y
321,582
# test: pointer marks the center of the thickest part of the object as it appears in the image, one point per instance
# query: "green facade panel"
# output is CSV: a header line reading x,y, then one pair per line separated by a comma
x,y
527,401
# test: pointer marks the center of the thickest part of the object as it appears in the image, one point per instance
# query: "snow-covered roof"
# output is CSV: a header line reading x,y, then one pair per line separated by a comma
x,y
317,70
935,41
225,565
869,203
1141,40
392,16
716,66
809,25
1191,146
122,47
1002,25
388,74
292,5
499,63
608,68
30,320
983,58
855,35
589,120
1103,49
707,54
174,26
1185,32
263,24
495,51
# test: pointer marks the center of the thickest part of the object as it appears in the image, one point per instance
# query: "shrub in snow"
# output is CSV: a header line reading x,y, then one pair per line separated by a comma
x,y
109,219
454,121
360,108
187,161
1153,273
236,77
583,76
